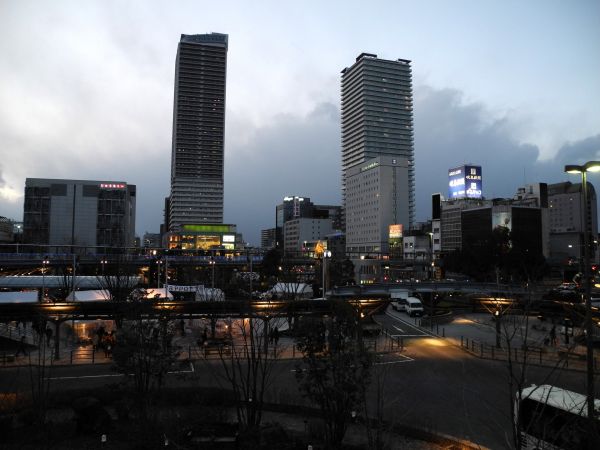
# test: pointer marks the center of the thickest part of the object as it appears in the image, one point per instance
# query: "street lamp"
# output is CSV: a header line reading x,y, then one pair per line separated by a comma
x,y
590,166
45,262
212,264
326,254
158,263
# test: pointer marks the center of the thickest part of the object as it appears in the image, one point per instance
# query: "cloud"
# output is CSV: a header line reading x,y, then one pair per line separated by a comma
x,y
292,155
450,132
120,129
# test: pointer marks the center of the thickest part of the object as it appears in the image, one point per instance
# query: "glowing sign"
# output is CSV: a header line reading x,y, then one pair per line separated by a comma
x,y
209,228
465,182
228,238
112,186
395,231
369,166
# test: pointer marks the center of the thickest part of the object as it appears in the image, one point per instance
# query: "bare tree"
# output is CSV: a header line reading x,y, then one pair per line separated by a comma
x,y
249,367
335,370
39,368
118,277
144,351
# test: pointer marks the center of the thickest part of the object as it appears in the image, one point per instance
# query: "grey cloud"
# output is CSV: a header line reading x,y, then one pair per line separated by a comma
x,y
450,132
301,156
292,155
579,152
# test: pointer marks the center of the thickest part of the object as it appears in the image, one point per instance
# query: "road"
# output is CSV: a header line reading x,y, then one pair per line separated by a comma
x,y
431,384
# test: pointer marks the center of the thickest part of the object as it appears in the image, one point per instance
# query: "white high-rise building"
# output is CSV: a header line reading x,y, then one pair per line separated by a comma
x,y
376,194
377,151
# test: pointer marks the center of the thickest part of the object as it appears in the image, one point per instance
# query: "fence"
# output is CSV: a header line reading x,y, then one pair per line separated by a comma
x,y
528,354
214,351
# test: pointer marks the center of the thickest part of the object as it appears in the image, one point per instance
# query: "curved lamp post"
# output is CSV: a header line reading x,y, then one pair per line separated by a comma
x,y
212,263
326,254
590,166
45,262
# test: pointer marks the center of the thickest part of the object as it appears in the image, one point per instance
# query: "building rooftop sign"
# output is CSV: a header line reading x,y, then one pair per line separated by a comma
x,y
208,228
465,182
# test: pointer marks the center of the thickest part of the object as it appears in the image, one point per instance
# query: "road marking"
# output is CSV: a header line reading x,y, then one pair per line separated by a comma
x,y
408,335
107,375
406,359
398,328
85,376
422,330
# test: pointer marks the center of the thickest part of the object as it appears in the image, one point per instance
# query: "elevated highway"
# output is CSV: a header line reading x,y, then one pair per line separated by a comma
x,y
110,310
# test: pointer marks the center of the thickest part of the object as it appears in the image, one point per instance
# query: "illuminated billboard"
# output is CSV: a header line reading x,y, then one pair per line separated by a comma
x,y
465,182
395,231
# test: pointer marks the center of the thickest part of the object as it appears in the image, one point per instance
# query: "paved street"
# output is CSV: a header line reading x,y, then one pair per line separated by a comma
x,y
432,383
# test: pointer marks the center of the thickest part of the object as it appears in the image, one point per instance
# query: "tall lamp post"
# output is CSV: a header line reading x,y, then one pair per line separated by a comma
x,y
212,265
158,263
45,262
326,254
590,166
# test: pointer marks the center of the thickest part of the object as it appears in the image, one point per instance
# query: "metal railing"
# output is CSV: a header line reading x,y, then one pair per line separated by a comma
x,y
543,356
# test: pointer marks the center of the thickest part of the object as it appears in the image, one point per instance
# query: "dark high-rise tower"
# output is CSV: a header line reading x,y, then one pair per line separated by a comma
x,y
198,131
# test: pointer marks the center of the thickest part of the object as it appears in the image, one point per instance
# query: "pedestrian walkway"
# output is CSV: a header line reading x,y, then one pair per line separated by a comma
x,y
187,343
478,334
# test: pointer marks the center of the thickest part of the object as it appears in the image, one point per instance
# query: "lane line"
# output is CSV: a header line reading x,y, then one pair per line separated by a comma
x,y
107,375
408,335
398,328
425,332
394,362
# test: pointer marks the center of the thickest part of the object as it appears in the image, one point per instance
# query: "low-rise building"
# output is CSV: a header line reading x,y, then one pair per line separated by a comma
x,y
299,231
79,212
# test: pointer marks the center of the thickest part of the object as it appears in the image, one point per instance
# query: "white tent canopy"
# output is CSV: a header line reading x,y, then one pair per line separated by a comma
x,y
291,290
19,297
88,296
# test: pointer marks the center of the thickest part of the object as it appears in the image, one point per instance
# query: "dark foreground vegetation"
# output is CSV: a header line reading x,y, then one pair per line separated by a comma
x,y
182,418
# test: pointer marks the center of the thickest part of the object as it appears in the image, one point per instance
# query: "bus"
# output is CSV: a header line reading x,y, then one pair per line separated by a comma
x,y
552,418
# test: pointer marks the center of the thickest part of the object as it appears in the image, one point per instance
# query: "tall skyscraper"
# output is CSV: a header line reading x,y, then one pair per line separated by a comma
x,y
377,130
197,157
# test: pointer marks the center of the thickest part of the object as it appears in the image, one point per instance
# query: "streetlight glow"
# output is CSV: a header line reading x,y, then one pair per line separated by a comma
x,y
590,166
326,254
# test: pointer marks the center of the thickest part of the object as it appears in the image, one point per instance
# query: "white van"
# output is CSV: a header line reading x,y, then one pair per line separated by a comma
x,y
414,307
398,298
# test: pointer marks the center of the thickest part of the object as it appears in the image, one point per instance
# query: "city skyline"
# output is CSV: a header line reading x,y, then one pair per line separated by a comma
x,y
510,87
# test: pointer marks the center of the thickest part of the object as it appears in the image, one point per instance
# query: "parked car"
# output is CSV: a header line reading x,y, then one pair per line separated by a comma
x,y
414,307
398,298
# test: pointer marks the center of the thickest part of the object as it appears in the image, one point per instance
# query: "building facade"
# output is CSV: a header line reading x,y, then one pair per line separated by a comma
x,y
523,222
566,210
295,207
268,238
6,230
377,121
376,194
536,195
78,212
205,237
303,232
197,158
451,237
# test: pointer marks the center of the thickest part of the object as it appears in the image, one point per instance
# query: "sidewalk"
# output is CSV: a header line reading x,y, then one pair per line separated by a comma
x,y
477,334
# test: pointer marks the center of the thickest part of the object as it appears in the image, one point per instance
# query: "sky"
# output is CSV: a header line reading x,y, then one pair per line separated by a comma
x,y
86,92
